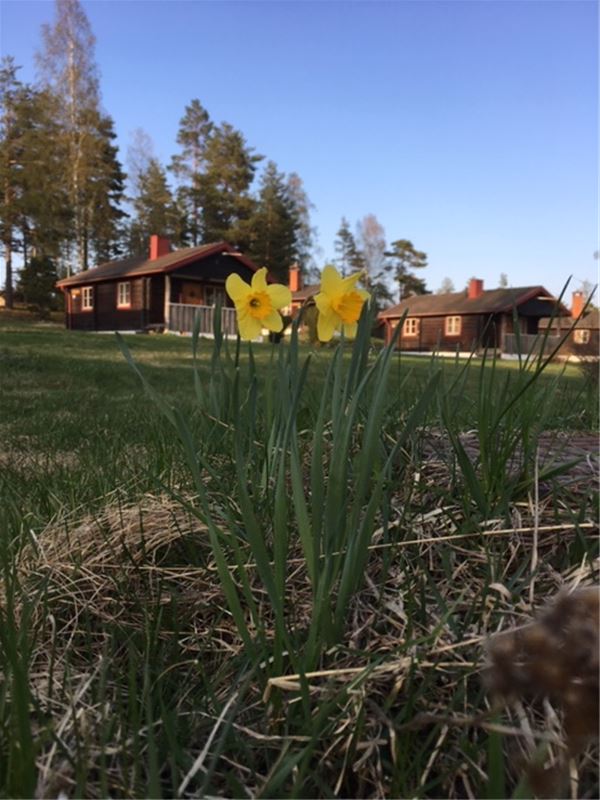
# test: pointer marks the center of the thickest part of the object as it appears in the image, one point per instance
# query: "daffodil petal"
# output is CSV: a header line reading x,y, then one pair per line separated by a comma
x,y
349,330
236,288
331,281
248,327
259,280
326,324
273,322
351,280
363,293
323,303
279,295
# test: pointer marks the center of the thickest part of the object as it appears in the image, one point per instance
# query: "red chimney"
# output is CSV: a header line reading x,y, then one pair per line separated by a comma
x,y
295,278
475,288
159,246
577,304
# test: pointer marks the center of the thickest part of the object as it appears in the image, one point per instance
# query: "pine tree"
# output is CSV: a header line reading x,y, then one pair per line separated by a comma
x,y
104,194
305,233
37,282
188,165
47,217
404,258
350,259
155,210
225,196
34,211
274,225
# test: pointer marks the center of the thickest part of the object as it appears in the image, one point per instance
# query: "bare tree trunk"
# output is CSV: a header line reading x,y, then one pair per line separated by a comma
x,y
8,285
25,246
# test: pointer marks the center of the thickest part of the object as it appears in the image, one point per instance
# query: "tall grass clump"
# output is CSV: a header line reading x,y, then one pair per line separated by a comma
x,y
312,478
508,413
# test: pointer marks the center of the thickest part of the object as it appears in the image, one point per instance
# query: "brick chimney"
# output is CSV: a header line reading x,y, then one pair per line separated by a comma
x,y
475,289
578,302
295,278
159,246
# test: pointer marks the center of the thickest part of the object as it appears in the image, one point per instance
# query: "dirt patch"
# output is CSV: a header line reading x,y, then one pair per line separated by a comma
x,y
555,449
30,460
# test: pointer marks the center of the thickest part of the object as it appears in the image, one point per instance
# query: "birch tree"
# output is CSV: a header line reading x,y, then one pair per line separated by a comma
x,y
67,67
10,89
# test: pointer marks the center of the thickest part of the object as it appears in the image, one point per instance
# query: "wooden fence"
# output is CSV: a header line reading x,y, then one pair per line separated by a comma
x,y
182,319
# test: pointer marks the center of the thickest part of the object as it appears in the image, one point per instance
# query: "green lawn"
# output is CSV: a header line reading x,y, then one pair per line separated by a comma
x,y
72,406
163,571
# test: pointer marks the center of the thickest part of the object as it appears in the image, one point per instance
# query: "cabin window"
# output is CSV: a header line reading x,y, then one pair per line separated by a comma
x,y
124,295
581,336
214,295
411,327
87,298
453,325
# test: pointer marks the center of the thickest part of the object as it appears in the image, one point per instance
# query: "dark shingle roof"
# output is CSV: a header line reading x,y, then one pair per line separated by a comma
x,y
140,265
591,321
305,293
489,301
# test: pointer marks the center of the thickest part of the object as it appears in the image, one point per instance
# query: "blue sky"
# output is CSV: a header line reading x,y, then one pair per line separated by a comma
x,y
468,127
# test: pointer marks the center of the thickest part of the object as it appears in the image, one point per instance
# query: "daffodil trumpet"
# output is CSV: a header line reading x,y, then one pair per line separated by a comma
x,y
339,304
257,304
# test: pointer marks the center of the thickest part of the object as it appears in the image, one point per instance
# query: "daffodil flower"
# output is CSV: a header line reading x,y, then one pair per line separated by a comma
x,y
257,304
339,303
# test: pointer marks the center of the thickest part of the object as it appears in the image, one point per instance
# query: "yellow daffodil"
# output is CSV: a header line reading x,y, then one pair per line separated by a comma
x,y
339,303
257,304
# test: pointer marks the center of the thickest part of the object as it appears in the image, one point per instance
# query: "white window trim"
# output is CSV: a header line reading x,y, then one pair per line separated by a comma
x,y
581,336
450,324
87,298
120,303
411,326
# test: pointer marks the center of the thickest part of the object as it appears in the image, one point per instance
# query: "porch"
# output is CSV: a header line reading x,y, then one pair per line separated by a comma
x,y
525,344
182,318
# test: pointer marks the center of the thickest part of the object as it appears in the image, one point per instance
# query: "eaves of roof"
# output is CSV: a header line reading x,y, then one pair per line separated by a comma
x,y
305,294
140,266
491,301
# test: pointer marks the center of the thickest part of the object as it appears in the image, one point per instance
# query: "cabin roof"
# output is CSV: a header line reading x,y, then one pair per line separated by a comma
x,y
490,301
141,265
590,321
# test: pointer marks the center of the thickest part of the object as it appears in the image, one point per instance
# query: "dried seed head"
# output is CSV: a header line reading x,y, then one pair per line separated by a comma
x,y
556,656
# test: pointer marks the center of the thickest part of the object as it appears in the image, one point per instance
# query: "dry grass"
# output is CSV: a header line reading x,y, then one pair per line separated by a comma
x,y
404,668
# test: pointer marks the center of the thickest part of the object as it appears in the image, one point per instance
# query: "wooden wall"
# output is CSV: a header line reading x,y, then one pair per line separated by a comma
x,y
432,334
146,306
590,349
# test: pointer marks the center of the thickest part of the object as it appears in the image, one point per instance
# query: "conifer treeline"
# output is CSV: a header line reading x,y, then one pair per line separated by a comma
x,y
63,188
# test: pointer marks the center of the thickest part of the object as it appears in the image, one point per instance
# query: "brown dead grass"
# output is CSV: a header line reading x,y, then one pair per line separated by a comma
x,y
107,568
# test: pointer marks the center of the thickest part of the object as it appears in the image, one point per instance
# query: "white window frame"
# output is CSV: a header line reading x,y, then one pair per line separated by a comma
x,y
411,326
87,298
453,326
124,286
581,336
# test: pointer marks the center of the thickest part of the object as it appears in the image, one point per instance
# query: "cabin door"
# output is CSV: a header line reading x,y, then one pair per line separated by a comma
x,y
191,294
